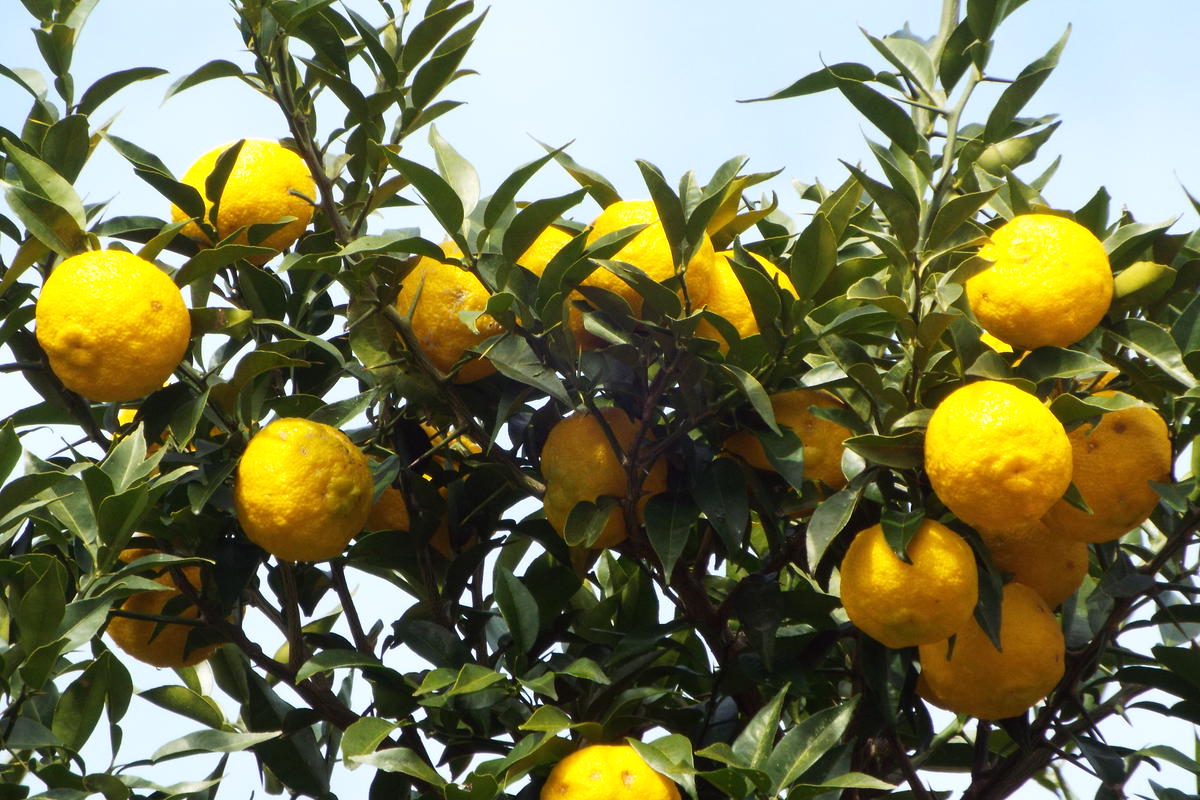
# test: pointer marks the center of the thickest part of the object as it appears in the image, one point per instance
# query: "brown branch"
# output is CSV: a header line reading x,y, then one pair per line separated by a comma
x,y
361,642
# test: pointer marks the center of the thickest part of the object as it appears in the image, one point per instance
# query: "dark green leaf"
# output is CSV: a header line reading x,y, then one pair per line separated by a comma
x,y
530,221
513,357
112,83
1018,93
830,517
439,196
596,184
821,81
586,520
218,68
904,451
456,171
182,700
669,518
329,660
210,741
518,606
720,491
403,760
806,742
899,528
899,212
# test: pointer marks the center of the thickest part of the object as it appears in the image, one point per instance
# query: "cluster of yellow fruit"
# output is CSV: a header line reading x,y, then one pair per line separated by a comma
x,y
436,293
1001,462
114,326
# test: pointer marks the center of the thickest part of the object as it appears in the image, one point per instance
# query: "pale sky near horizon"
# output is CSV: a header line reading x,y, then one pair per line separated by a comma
x,y
659,80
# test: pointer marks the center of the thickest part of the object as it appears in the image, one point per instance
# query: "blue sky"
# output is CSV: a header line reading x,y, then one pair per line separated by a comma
x,y
660,80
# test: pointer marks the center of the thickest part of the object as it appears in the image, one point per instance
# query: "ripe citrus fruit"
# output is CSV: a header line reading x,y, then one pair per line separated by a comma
x,y
436,293
302,490
1052,565
1050,282
138,637
822,439
114,326
578,463
268,182
902,605
545,247
1114,463
996,456
975,678
606,772
390,513
727,297
650,252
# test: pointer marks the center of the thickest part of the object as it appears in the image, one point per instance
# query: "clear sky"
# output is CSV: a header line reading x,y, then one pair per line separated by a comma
x,y
660,80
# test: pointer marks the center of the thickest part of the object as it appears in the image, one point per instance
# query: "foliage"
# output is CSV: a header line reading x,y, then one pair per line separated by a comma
x,y
718,621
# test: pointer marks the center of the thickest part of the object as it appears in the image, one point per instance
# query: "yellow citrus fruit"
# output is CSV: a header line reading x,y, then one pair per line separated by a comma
x,y
268,182
996,456
390,513
650,252
1052,565
727,297
994,343
436,293
1114,463
975,678
113,325
137,637
578,463
302,490
902,605
606,772
823,440
1049,283
545,247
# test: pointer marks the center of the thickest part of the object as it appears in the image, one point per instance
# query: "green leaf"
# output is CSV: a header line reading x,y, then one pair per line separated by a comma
x,y
549,719
49,223
899,212
78,709
899,528
1156,344
720,491
530,221
441,199
185,702
586,520
456,170
754,744
513,356
112,83
821,81
588,670
830,517
953,214
1018,93
518,606
594,183
1058,362
755,393
806,742
10,449
814,257
218,68
887,116
329,660
669,518
850,780
903,451
670,756
403,760
211,741
1129,242
473,678
364,736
